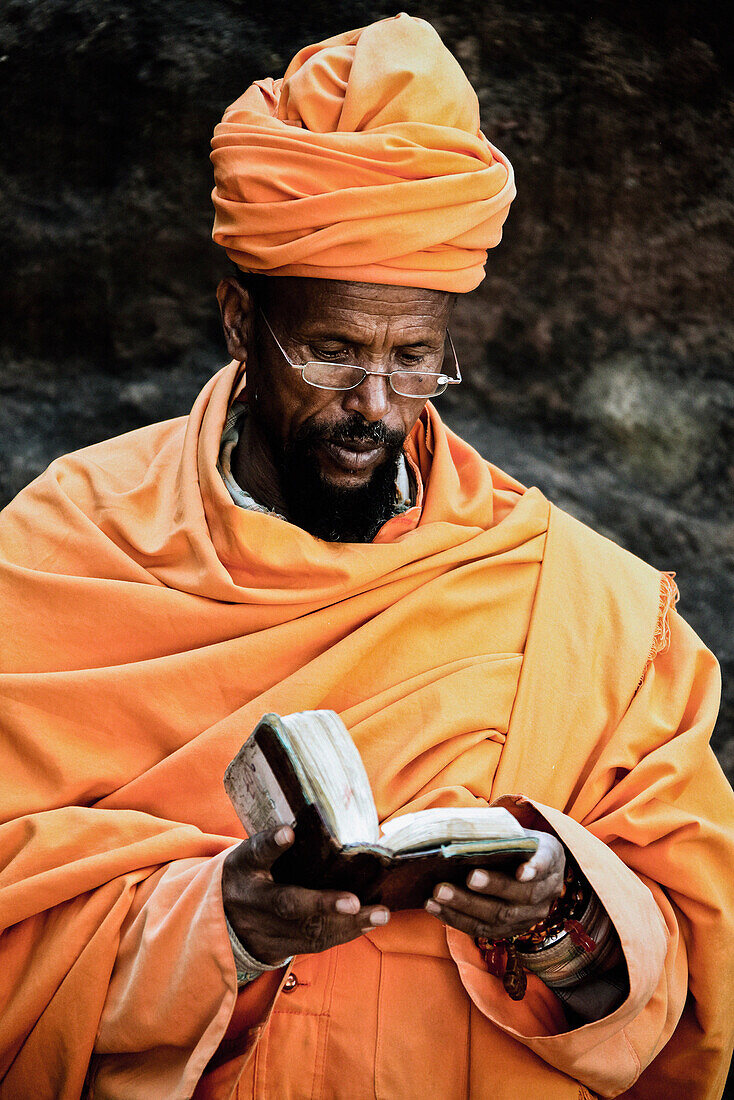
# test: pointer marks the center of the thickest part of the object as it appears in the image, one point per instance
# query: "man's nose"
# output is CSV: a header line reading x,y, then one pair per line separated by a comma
x,y
371,398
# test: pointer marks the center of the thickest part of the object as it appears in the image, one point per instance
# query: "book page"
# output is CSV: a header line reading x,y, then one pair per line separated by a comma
x,y
449,824
331,773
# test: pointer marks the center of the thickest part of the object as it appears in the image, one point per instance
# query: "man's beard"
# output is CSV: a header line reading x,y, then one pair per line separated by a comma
x,y
331,512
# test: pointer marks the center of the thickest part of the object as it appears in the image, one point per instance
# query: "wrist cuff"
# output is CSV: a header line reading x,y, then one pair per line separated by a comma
x,y
248,968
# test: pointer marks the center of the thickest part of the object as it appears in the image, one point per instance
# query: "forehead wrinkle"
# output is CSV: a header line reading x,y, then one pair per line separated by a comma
x,y
304,294
388,300
385,310
405,331
361,313
410,311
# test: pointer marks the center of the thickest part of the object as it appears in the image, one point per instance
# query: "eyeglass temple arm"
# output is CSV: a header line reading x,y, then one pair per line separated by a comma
x,y
453,381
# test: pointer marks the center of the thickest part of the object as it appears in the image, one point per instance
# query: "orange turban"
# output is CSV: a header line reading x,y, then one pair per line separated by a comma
x,y
364,163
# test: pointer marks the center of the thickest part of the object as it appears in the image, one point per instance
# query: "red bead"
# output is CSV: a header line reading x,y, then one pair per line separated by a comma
x,y
496,958
579,936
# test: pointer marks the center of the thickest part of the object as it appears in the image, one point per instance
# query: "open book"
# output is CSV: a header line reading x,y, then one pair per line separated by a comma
x,y
304,770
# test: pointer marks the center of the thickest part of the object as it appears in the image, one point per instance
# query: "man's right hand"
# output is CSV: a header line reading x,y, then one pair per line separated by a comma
x,y
273,921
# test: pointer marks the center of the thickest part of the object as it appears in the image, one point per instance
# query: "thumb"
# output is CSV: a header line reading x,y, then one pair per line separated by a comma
x,y
263,848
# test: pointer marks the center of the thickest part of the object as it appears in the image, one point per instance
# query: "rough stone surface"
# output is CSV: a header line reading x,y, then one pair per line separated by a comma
x,y
598,349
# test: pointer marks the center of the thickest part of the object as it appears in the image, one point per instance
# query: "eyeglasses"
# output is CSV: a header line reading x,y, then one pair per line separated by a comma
x,y
347,376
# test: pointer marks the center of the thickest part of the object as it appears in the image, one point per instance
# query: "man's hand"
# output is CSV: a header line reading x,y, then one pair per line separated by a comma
x,y
274,922
498,905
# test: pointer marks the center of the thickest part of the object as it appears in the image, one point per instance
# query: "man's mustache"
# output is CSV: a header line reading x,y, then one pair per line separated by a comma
x,y
352,430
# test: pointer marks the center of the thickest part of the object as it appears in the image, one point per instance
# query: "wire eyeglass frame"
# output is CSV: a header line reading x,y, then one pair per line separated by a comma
x,y
442,379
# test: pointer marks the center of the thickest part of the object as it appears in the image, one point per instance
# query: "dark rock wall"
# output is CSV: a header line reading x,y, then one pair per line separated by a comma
x,y
598,349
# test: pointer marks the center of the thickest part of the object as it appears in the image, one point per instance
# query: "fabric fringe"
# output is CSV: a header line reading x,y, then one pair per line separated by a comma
x,y
669,596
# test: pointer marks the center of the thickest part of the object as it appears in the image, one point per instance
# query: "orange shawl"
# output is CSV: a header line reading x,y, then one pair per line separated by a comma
x,y
149,623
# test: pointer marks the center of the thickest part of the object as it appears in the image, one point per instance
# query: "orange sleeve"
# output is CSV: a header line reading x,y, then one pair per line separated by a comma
x,y
172,1010
657,848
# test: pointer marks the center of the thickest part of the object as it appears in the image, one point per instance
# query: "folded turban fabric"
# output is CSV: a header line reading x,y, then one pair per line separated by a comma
x,y
364,163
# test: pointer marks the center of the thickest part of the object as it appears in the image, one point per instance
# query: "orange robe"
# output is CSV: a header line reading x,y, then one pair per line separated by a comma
x,y
485,645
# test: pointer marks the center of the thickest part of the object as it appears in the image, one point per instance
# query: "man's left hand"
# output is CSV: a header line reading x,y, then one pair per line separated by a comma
x,y
498,905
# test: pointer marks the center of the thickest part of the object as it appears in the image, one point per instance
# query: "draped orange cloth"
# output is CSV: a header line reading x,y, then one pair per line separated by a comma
x,y
365,163
486,646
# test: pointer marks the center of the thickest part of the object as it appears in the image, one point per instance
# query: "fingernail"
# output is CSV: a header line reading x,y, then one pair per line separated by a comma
x,y
526,873
478,879
347,905
283,837
443,893
380,916
431,907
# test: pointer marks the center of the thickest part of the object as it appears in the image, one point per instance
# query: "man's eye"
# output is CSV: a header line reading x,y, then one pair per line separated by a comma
x,y
415,358
328,354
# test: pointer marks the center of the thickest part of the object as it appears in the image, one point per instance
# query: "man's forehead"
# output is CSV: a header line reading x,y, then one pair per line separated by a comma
x,y
304,300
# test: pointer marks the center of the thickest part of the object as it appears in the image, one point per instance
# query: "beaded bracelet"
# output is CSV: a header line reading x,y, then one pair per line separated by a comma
x,y
510,957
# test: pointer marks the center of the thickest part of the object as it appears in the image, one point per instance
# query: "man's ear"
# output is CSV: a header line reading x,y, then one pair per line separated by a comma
x,y
237,309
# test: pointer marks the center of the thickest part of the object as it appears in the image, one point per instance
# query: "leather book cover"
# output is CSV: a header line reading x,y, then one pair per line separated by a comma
x,y
402,881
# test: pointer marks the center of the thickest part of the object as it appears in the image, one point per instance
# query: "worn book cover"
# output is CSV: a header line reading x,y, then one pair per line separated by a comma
x,y
269,784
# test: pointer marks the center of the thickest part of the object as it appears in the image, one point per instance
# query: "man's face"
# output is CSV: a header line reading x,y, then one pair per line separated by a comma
x,y
336,452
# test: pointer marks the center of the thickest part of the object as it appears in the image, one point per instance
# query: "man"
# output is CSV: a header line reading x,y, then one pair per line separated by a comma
x,y
313,536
